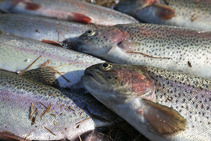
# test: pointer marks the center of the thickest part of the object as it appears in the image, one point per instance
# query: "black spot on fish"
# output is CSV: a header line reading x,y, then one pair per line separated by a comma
x,y
189,64
166,2
37,31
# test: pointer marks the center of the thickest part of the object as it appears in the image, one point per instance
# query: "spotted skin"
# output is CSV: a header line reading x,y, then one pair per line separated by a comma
x,y
147,44
190,96
192,14
70,114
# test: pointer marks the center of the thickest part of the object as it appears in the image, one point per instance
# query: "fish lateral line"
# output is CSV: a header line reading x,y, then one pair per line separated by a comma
x,y
146,55
29,66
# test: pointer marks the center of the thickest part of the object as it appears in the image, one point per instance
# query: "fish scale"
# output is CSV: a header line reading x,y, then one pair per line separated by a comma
x,y
160,46
161,104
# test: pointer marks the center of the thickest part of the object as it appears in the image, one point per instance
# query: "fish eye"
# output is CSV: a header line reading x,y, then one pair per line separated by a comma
x,y
91,32
106,66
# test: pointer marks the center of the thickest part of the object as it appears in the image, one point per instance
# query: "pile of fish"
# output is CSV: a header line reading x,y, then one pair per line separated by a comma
x,y
75,70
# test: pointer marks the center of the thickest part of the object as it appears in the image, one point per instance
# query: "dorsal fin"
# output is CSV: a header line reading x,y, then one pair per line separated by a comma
x,y
164,12
43,74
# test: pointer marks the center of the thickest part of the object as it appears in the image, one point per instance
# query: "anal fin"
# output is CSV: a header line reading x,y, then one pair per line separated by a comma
x,y
163,119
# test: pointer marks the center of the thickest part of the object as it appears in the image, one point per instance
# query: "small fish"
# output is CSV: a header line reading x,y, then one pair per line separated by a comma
x,y
18,53
72,10
191,14
31,110
41,28
160,104
159,46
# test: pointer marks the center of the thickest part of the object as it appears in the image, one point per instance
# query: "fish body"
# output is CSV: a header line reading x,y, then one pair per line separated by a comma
x,y
18,53
191,14
30,110
161,104
40,28
67,10
163,46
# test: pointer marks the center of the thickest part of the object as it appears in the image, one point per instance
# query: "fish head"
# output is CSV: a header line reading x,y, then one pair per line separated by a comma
x,y
115,84
96,42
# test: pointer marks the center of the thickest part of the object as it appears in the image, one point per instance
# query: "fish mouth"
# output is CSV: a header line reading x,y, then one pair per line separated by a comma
x,y
95,76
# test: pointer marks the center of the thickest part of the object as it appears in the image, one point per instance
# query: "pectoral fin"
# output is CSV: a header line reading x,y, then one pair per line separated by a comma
x,y
162,119
31,5
78,17
164,12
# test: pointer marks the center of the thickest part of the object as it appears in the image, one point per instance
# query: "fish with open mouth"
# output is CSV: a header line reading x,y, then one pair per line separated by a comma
x,y
162,46
160,104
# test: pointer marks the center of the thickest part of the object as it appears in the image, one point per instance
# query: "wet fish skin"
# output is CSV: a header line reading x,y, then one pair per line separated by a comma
x,y
160,46
191,14
24,51
67,10
128,90
69,115
40,28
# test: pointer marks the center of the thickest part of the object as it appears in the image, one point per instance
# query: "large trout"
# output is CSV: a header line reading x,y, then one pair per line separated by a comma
x,y
161,104
165,47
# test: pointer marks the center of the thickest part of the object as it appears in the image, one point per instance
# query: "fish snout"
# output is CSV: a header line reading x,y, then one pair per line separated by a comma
x,y
69,43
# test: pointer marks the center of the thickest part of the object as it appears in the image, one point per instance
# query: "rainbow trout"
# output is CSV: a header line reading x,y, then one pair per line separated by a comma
x,y
192,14
72,10
18,53
161,104
145,44
40,28
30,110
